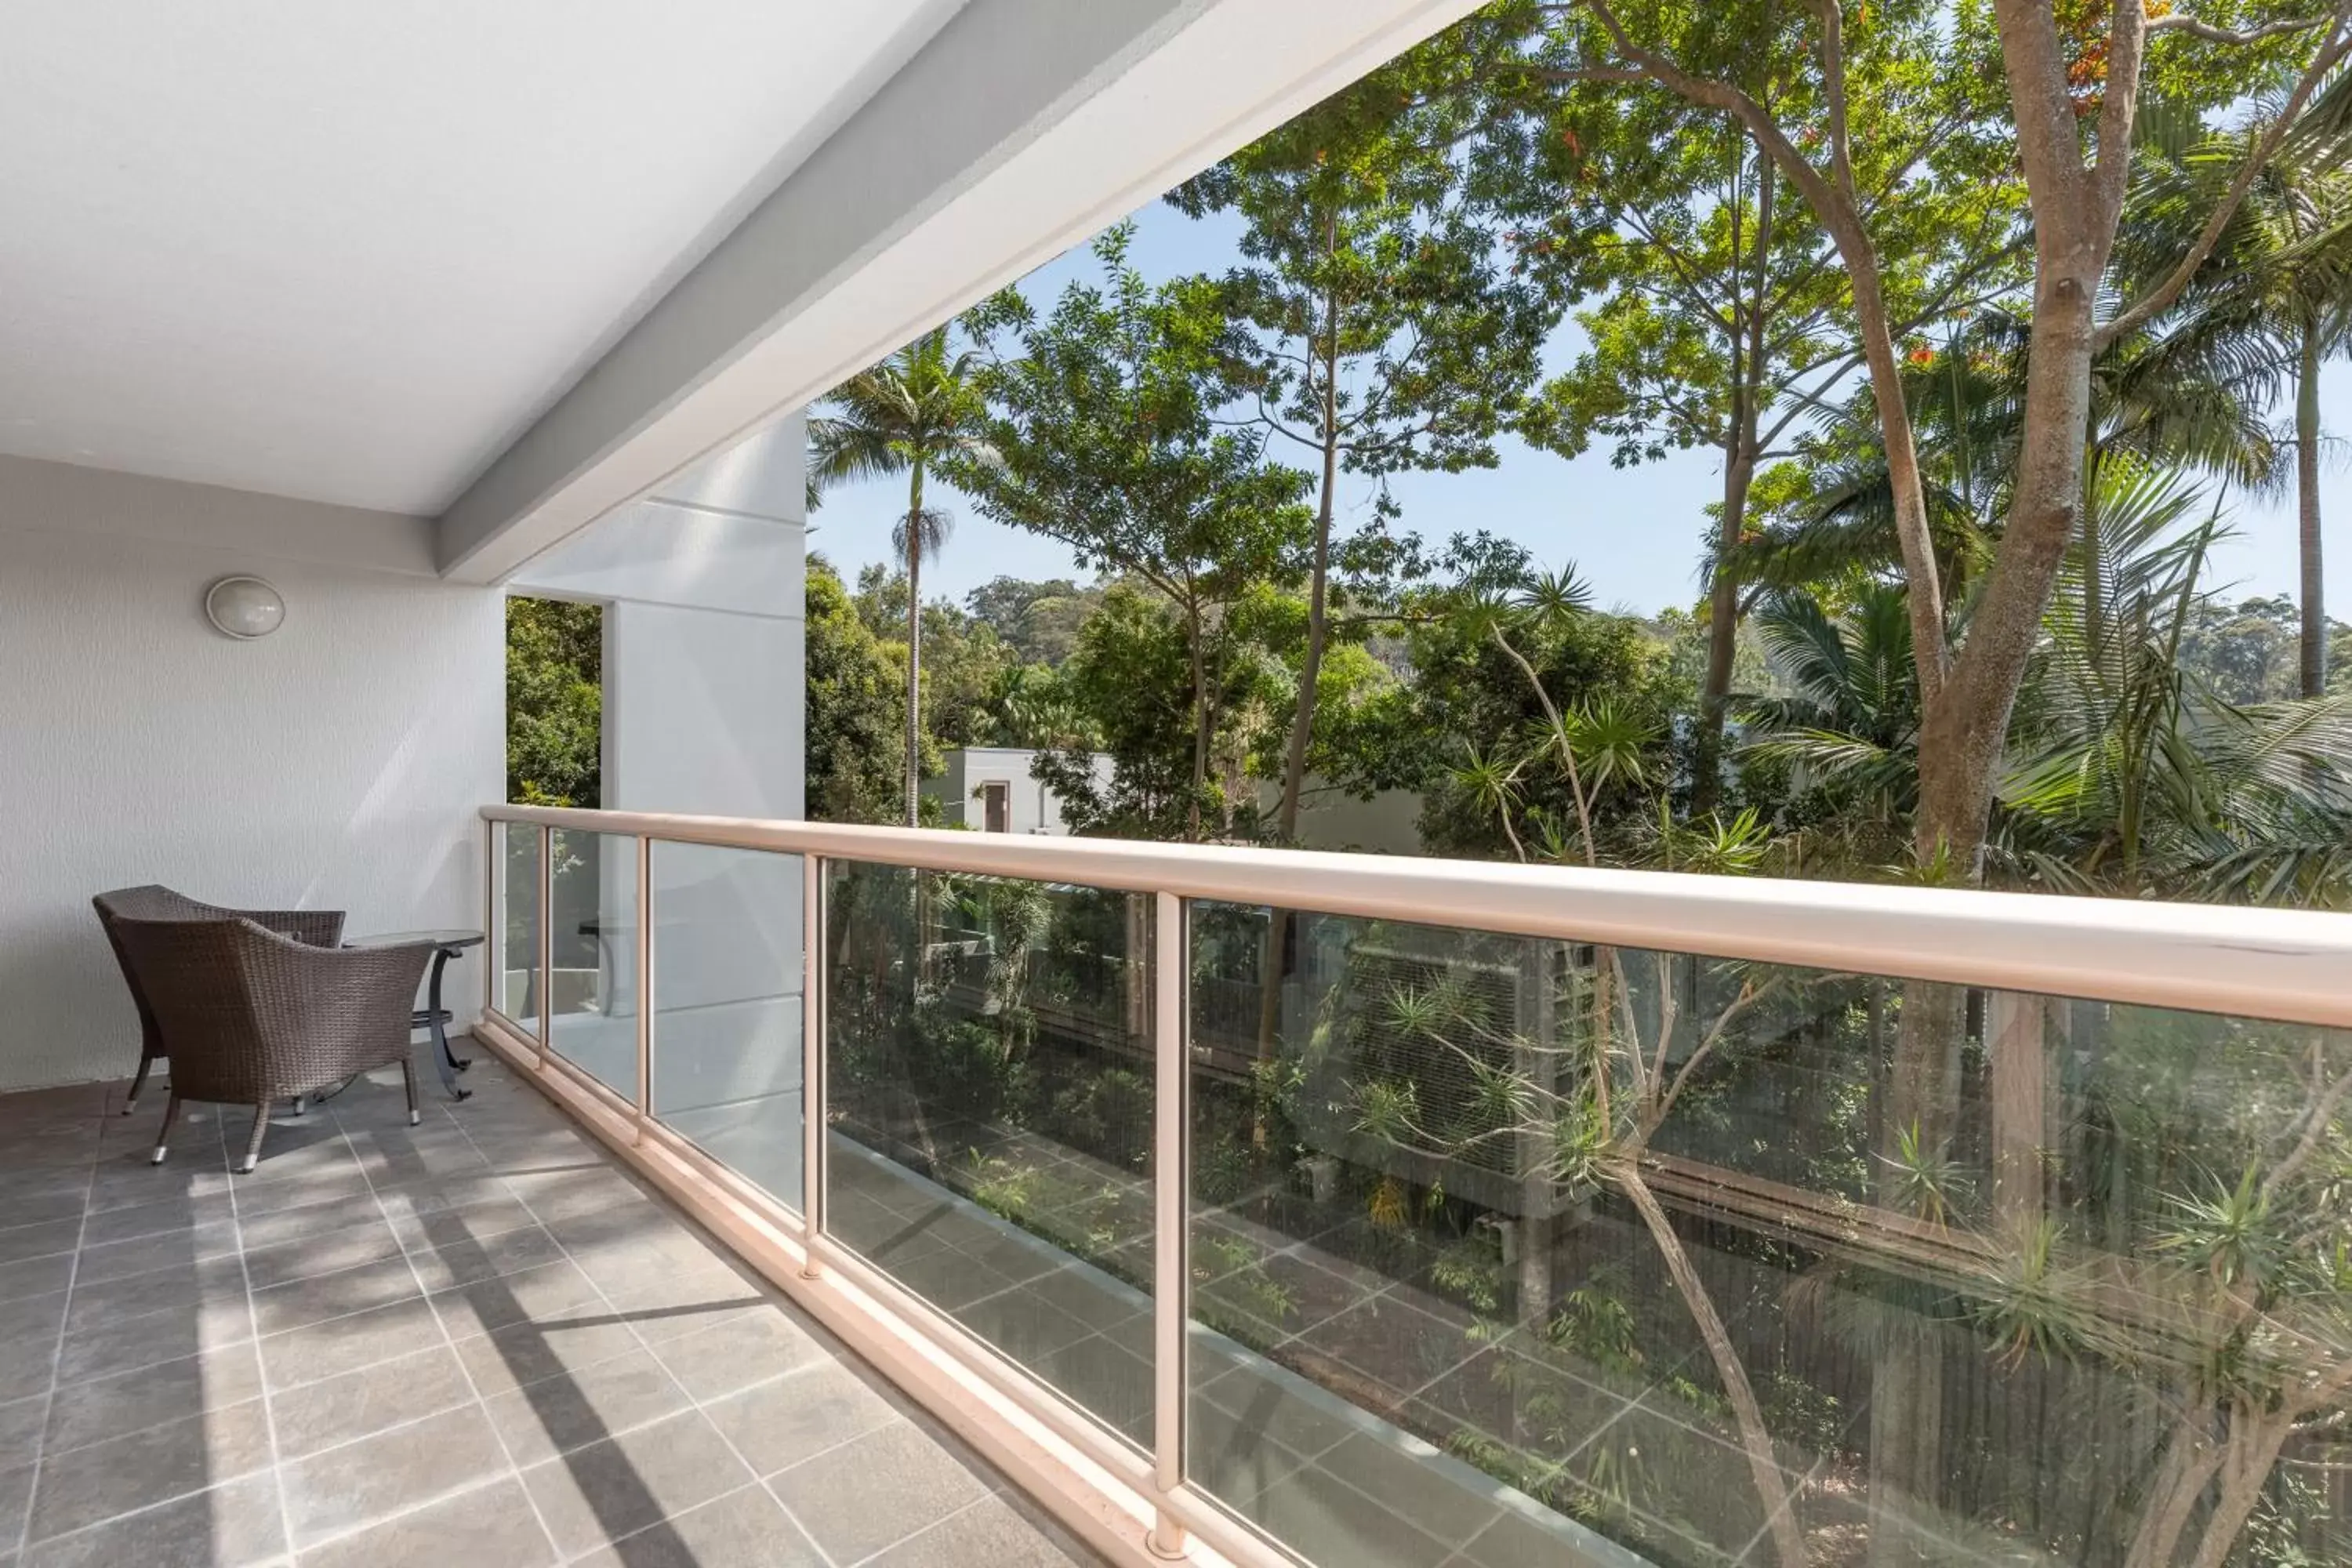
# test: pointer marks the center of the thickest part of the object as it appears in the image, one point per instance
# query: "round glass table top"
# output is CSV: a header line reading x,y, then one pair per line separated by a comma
x,y
451,940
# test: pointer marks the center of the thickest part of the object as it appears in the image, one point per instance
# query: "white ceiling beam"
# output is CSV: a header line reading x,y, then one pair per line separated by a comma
x,y
1021,127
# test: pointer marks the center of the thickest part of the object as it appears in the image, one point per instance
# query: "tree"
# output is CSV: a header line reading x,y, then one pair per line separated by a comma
x,y
853,710
1373,326
555,697
2275,291
1103,437
1719,317
2074,90
914,413
1038,621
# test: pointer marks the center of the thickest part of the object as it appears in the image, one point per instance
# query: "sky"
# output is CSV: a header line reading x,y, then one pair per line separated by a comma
x,y
1634,534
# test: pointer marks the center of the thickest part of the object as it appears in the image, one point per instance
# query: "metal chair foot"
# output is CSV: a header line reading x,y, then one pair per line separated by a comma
x,y
157,1157
414,1118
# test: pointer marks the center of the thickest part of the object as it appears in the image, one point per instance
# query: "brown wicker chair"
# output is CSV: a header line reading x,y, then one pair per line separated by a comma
x,y
318,928
248,1016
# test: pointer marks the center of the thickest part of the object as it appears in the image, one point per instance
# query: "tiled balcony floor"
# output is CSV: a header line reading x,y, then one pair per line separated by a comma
x,y
475,1342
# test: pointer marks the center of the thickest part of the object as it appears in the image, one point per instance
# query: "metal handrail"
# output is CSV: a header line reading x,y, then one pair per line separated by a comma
x,y
2289,965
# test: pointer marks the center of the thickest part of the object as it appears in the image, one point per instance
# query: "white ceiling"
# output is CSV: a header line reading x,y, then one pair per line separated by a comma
x,y
347,250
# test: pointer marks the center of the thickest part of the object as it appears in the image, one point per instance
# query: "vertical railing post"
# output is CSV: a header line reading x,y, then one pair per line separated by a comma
x,y
1171,1077
644,960
545,894
813,1089
494,931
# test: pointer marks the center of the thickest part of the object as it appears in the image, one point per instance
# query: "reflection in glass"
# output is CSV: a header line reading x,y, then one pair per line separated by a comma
x,y
727,1007
514,970
594,992
1518,1248
989,1059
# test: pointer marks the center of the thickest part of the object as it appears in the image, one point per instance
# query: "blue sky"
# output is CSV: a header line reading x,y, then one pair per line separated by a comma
x,y
1634,533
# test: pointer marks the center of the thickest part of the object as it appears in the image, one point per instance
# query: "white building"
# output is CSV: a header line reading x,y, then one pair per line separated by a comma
x,y
992,789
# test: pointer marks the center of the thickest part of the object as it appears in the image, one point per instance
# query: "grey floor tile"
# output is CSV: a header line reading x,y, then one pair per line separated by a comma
x,y
21,1421
35,1275
301,1189
744,1349
360,1403
463,1260
875,1490
178,1288
305,1221
143,1255
492,1525
555,1195
1323,1520
45,1239
622,1485
552,1290
745,1528
226,1526
15,1493
438,1194
523,1353
346,1489
991,1531
151,1338
777,1424
283,1307
1022,1324
152,1219
347,1247
1111,1384
558,1415
469,1223
91,1485
340,1345
108,1408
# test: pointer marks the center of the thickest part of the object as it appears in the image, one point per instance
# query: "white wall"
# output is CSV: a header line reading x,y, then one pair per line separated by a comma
x,y
337,763
1034,808
705,698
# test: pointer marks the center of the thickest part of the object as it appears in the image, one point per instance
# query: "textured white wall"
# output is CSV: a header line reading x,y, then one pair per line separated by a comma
x,y
337,763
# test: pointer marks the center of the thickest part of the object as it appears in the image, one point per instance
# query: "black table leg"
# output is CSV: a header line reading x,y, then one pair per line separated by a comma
x,y
444,1061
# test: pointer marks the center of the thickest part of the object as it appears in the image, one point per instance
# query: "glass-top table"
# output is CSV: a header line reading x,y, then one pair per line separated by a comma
x,y
447,943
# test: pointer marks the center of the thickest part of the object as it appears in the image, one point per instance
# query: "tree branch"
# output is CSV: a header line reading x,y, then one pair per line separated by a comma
x,y
2180,22
2164,294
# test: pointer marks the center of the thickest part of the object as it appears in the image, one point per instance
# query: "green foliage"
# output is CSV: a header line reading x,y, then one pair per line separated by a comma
x,y
856,708
556,698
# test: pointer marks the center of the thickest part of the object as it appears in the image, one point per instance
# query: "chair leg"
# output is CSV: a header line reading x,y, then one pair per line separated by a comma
x,y
163,1133
131,1100
301,1103
408,1082
253,1144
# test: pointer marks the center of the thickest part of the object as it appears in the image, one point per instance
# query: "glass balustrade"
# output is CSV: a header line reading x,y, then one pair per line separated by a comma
x,y
1504,1252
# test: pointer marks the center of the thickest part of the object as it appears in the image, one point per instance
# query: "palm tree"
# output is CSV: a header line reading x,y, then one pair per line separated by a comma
x,y
1846,717
2276,296
919,413
2129,774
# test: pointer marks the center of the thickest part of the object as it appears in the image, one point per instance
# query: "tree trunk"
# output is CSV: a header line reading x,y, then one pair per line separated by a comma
x,y
1763,1469
1906,1376
1199,720
2307,495
1722,629
1738,472
915,646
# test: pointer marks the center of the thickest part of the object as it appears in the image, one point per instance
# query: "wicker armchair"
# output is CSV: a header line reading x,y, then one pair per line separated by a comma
x,y
318,928
248,1016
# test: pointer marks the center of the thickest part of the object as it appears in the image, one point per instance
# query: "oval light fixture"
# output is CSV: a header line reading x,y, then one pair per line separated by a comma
x,y
243,608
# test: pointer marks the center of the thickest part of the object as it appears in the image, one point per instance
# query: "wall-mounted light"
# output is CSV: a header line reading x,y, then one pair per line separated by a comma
x,y
244,608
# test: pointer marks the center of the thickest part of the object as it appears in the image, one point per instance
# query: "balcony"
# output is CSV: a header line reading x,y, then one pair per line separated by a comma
x,y
1466,1214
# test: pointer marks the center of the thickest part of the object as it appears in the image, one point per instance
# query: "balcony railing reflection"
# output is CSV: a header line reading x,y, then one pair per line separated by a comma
x,y
1510,1241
